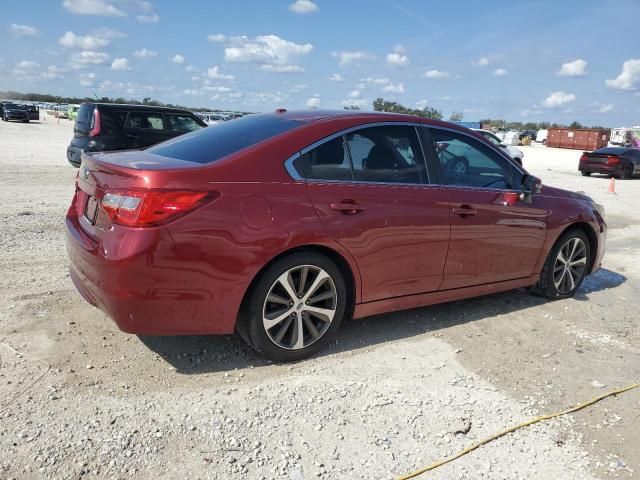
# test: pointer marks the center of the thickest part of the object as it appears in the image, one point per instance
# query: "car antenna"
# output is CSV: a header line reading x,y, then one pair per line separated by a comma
x,y
94,94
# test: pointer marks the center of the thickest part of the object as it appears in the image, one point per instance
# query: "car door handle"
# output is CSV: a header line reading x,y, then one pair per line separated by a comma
x,y
347,207
464,211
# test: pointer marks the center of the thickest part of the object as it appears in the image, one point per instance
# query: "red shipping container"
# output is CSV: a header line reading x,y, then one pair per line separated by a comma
x,y
578,138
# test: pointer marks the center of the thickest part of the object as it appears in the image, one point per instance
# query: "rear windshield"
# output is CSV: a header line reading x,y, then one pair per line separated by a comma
x,y
12,105
218,141
84,113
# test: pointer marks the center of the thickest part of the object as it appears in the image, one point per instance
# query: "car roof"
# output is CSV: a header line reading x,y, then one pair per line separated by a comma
x,y
613,150
317,116
127,106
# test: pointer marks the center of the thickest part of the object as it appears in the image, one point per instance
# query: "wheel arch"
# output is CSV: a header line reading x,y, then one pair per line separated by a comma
x,y
341,262
588,230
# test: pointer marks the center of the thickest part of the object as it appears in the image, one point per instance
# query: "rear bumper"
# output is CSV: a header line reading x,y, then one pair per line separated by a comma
x,y
601,168
137,280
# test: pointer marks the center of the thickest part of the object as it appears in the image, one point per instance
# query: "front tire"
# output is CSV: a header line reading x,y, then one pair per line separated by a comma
x,y
295,307
566,266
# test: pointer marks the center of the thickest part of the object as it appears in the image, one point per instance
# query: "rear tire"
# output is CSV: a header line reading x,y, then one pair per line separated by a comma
x,y
295,307
566,266
627,172
585,173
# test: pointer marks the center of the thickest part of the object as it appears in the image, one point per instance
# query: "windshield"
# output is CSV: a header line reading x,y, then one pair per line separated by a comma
x,y
12,105
492,138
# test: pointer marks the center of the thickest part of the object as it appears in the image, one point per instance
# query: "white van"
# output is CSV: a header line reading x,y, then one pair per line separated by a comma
x,y
625,137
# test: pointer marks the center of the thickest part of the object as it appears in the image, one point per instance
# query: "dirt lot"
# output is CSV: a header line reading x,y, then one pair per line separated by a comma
x,y
394,392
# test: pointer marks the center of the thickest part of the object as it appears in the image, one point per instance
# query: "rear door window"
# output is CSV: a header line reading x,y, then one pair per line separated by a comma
x,y
145,120
328,161
182,123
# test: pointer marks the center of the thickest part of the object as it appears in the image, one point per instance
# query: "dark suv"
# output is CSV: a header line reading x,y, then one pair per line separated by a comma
x,y
13,111
104,127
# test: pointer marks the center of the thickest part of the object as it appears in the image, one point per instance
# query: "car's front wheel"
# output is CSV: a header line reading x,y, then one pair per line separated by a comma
x,y
565,267
295,307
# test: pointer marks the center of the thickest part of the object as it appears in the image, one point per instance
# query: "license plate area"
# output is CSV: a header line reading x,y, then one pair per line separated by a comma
x,y
90,210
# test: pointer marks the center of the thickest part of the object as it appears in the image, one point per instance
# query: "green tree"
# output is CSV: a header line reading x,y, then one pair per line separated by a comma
x,y
382,105
456,116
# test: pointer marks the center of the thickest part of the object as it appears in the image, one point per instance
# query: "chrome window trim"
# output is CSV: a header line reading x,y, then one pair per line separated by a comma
x,y
288,164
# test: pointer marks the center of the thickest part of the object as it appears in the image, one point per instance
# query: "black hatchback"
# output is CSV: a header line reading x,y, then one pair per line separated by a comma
x,y
102,127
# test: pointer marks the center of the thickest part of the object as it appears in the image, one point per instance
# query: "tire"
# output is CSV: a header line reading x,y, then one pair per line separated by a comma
x,y
627,172
288,316
585,173
556,280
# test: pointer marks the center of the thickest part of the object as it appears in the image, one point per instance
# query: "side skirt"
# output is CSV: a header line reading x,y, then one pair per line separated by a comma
x,y
443,296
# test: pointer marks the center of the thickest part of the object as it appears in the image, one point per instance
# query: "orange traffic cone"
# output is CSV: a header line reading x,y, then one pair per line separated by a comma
x,y
612,185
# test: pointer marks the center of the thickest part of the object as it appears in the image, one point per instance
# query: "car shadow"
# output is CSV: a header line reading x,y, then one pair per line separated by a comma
x,y
218,353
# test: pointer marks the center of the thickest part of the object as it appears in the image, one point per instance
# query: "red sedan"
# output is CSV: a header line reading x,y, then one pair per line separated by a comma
x,y
280,226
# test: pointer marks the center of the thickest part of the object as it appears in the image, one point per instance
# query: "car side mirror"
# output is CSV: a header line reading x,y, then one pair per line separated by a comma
x,y
502,145
530,186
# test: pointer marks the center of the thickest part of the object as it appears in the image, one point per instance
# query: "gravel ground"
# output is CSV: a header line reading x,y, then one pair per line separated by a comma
x,y
394,392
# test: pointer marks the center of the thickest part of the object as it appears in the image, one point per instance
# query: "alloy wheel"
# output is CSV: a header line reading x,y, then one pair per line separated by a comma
x,y
570,265
299,308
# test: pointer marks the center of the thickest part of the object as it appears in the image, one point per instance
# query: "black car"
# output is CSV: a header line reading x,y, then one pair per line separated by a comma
x,y
13,111
103,127
619,162
33,112
532,134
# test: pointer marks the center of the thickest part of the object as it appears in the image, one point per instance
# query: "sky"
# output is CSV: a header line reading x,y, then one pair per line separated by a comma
x,y
539,60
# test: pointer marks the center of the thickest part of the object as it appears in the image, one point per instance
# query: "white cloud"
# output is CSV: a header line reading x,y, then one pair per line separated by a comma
x,y
351,102
52,72
347,58
87,80
192,91
303,7
216,37
120,63
313,102
355,94
629,78
481,62
394,88
88,57
144,53
398,57
436,74
214,72
266,50
605,108
218,89
422,103
26,68
23,30
573,69
334,77
500,72
282,68
87,42
557,99
368,81
92,7
177,58
150,18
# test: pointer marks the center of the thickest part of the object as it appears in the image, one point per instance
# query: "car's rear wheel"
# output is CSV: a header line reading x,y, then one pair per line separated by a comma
x,y
565,267
295,307
627,172
585,173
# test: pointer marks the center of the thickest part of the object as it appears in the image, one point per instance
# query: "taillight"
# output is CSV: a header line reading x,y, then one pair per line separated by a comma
x,y
139,208
583,158
95,124
613,161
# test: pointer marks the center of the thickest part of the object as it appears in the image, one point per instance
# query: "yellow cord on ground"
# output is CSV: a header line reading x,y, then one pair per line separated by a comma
x,y
473,446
